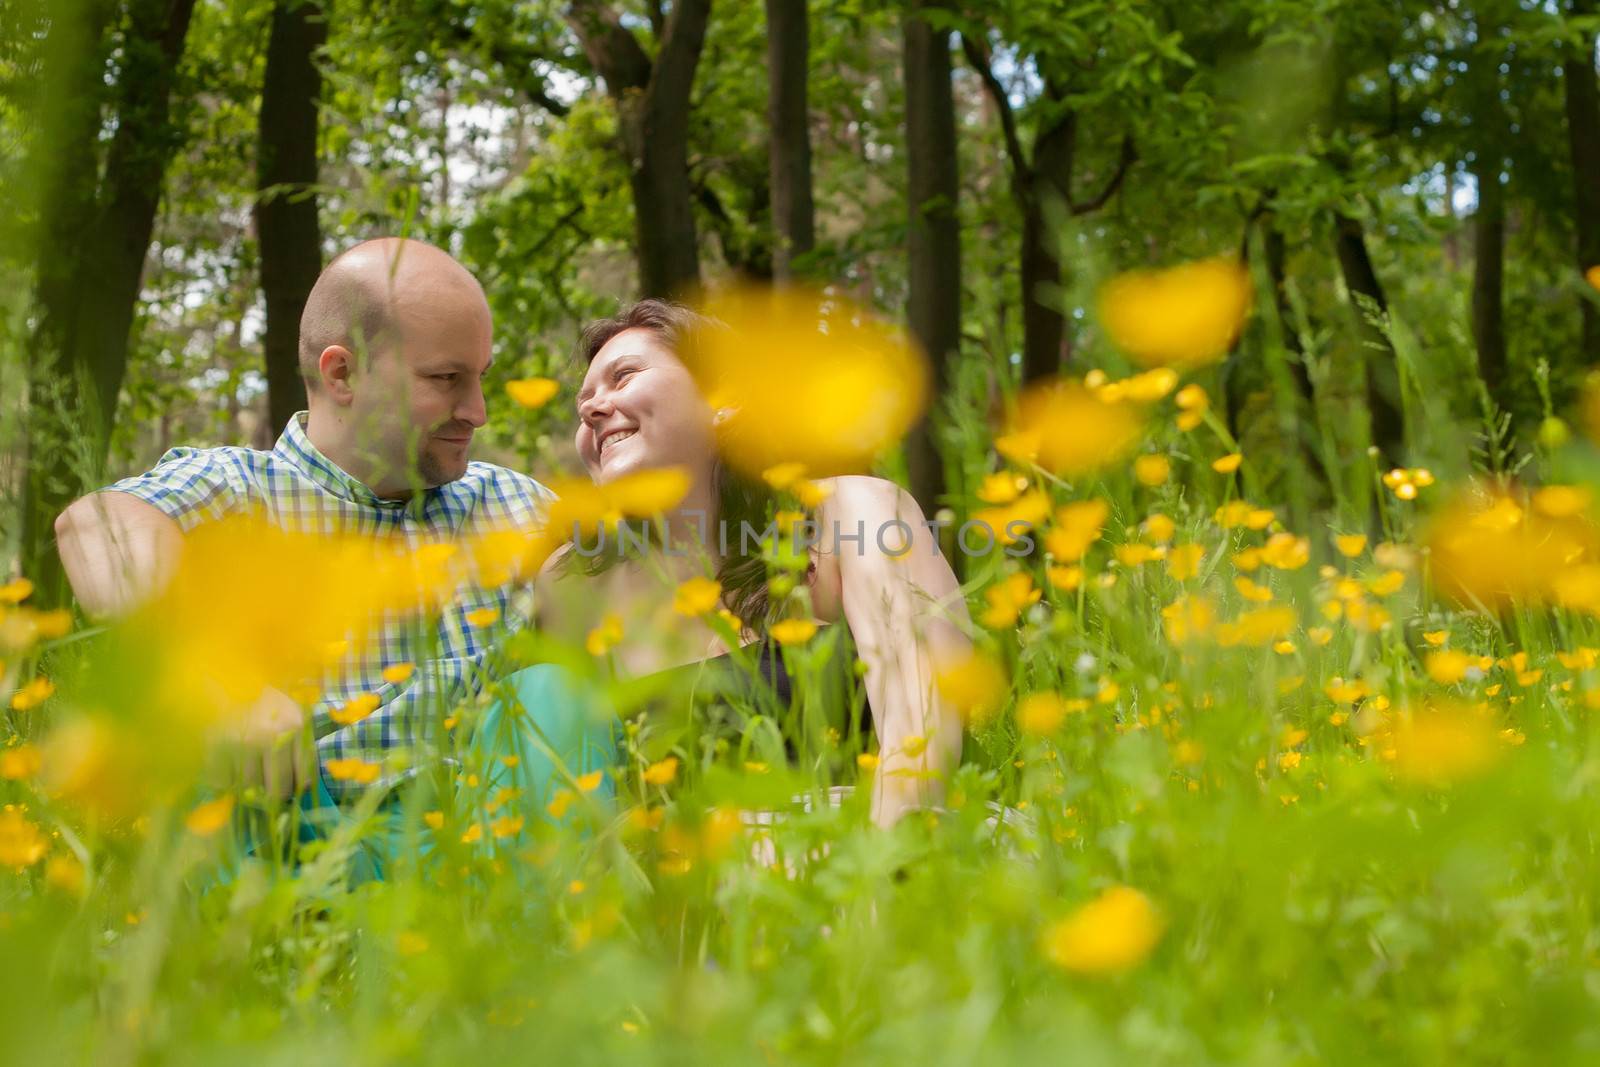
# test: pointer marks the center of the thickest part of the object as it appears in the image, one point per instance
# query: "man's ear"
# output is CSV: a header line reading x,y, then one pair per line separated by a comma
x,y
337,365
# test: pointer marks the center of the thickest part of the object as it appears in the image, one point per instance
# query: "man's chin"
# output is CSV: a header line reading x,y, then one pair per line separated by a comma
x,y
436,472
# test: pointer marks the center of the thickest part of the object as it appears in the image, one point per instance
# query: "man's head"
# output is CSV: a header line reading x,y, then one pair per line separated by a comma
x,y
394,342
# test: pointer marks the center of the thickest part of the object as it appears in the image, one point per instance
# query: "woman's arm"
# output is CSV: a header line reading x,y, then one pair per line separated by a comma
x,y
906,613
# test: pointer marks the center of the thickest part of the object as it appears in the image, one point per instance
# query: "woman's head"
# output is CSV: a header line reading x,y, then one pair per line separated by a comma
x,y
639,407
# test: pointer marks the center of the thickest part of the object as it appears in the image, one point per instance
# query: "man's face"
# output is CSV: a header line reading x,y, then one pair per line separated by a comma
x,y
423,395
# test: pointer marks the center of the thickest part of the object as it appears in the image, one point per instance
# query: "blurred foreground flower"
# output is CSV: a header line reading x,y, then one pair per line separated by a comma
x,y
1488,549
1442,744
1070,429
1110,934
805,377
1183,316
533,393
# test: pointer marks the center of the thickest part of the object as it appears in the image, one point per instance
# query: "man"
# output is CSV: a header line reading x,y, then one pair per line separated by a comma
x,y
395,339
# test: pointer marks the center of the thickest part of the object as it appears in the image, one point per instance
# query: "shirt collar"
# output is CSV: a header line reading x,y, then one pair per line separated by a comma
x,y
295,447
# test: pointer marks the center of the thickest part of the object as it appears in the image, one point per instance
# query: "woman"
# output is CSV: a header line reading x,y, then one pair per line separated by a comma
x,y
639,408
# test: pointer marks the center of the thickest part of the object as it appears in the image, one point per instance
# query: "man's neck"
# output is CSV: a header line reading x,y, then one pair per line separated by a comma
x,y
330,436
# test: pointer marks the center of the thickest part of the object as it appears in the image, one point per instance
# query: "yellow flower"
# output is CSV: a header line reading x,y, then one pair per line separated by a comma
x,y
606,636
913,745
1286,552
1183,562
433,819
805,377
399,673
1350,545
474,833
355,710
16,591
1256,628
867,761
1387,582
21,842
533,392
662,772
1187,618
1592,276
975,685
482,617
65,874
1436,638
1227,464
1252,591
1192,406
793,631
1159,528
1448,667
1077,526
511,825
1134,555
19,763
1007,598
1184,316
783,476
1001,487
1152,469
1005,522
1112,933
696,597
588,783
812,493
1561,501
353,770
33,694
1443,744
1071,431
1040,714
52,624
1065,579
209,817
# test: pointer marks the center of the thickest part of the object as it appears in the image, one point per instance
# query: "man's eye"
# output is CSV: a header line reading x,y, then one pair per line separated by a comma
x,y
443,377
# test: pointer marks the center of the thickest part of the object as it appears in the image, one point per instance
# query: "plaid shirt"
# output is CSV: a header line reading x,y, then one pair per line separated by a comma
x,y
299,488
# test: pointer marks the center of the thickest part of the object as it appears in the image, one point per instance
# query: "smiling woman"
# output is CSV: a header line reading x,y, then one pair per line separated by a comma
x,y
640,408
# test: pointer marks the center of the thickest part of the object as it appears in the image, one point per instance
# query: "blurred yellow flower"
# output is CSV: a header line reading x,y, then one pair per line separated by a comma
x,y
31,695
1065,579
1001,487
21,842
588,783
1561,501
1192,406
1077,526
806,377
1152,469
1183,561
482,617
355,709
353,770
1227,464
19,762
1007,599
532,392
1447,667
867,761
1008,522
661,772
1112,933
1441,744
64,874
1040,714
606,636
793,631
783,476
1187,619
399,673
207,818
1486,549
1159,528
511,825
1592,276
696,597
1350,545
16,591
1071,431
1256,628
975,685
1185,316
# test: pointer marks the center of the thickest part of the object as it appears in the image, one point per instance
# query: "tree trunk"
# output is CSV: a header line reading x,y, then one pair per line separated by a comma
x,y
1042,323
286,207
88,293
793,212
652,100
933,239
1383,378
1488,273
1583,131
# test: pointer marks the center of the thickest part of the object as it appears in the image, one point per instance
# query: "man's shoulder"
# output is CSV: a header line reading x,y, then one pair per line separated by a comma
x,y
492,482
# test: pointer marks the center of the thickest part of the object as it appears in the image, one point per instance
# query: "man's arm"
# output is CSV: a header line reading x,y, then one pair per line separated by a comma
x,y
117,550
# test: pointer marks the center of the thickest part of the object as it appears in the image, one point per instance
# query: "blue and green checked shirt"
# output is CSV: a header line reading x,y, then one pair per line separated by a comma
x,y
298,488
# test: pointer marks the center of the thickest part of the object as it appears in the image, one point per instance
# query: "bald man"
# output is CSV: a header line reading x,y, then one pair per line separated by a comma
x,y
395,340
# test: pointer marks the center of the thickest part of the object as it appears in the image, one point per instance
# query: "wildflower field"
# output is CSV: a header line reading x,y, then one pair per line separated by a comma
x,y
1246,359
1235,789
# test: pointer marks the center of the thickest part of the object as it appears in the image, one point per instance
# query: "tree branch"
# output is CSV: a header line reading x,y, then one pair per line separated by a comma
x,y
977,53
1123,163
685,34
613,50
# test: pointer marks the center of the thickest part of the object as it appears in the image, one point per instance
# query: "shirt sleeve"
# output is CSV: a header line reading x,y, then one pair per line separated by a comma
x,y
189,486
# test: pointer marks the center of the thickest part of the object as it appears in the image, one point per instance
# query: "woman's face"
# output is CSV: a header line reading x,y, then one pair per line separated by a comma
x,y
639,408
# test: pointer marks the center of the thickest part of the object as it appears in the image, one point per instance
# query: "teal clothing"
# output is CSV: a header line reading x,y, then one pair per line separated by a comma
x,y
556,728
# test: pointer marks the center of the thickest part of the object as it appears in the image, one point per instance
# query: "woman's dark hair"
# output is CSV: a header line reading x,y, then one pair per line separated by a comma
x,y
741,504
